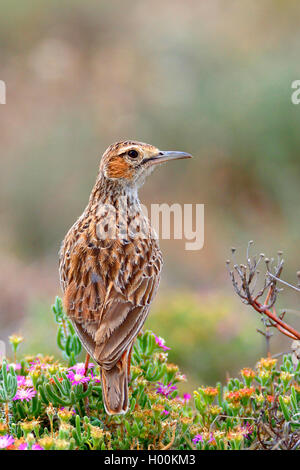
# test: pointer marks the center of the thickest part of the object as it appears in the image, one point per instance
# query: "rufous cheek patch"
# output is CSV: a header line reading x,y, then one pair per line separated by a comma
x,y
118,167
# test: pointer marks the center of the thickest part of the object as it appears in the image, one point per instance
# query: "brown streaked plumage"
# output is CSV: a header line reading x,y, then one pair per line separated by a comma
x,y
109,279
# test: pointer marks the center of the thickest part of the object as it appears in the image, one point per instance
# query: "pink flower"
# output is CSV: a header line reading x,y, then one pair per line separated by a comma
x,y
14,366
95,378
161,343
36,447
24,381
21,380
25,394
197,438
165,412
78,369
37,364
77,378
6,441
24,446
247,430
187,397
80,366
165,390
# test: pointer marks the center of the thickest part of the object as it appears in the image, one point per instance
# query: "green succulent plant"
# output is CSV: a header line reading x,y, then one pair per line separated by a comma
x,y
50,404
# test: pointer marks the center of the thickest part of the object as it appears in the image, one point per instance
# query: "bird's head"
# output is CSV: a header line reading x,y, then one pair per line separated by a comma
x,y
129,162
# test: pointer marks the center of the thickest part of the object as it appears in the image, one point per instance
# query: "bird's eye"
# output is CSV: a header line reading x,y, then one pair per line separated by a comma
x,y
133,153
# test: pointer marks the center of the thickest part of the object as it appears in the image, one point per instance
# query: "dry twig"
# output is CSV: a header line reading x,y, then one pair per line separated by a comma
x,y
244,278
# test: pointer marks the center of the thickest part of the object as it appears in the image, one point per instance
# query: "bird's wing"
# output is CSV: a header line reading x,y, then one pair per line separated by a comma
x,y
108,288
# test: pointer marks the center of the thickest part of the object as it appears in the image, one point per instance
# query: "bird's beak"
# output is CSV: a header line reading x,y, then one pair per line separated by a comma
x,y
166,156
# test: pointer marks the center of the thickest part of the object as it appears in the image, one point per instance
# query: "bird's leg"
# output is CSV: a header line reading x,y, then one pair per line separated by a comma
x,y
129,362
86,368
86,364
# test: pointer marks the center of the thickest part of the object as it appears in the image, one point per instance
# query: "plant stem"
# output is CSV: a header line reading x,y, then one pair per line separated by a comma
x,y
6,414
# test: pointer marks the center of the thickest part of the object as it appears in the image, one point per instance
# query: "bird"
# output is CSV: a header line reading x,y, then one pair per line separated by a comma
x,y
110,265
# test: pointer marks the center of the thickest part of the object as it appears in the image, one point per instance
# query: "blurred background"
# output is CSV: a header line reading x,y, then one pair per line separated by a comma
x,y
210,78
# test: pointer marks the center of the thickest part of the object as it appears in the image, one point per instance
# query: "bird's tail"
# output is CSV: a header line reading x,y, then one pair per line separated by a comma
x,y
115,387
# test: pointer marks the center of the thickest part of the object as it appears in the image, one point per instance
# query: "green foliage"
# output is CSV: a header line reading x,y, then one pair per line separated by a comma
x,y
209,327
67,340
8,383
52,405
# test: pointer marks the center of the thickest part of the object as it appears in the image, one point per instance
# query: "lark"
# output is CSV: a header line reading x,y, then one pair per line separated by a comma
x,y
110,265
